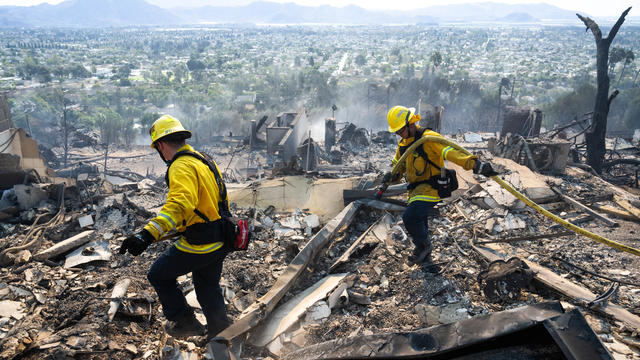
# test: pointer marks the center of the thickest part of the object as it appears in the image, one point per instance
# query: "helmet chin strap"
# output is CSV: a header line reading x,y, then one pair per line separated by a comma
x,y
161,156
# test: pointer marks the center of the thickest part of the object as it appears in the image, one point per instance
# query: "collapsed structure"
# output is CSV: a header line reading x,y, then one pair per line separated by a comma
x,y
326,274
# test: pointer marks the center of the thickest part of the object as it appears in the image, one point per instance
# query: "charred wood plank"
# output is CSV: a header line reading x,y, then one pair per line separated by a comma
x,y
575,203
621,214
528,237
627,206
64,246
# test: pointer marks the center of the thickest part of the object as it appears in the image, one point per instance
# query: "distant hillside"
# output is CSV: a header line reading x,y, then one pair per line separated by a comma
x,y
270,12
494,11
87,13
518,17
97,13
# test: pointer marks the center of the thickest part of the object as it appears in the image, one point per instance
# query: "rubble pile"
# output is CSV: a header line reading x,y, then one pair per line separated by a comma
x,y
66,292
535,153
621,164
359,148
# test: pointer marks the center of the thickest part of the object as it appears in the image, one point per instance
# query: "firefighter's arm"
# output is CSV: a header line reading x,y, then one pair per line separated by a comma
x,y
466,161
182,196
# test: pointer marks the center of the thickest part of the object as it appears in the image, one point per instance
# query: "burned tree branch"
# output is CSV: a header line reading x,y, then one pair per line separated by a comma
x,y
555,131
595,29
591,25
617,25
611,97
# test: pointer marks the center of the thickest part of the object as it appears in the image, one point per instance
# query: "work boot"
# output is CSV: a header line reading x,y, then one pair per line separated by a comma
x,y
421,254
215,328
184,327
430,267
416,251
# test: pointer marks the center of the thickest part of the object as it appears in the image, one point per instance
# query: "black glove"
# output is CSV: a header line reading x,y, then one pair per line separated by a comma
x,y
484,168
386,178
136,244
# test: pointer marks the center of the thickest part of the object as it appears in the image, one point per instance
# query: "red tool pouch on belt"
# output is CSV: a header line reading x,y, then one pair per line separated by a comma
x,y
233,232
242,236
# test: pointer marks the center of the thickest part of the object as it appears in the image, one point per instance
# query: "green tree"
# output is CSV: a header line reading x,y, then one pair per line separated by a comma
x,y
629,56
571,106
195,63
123,71
616,55
180,73
147,119
78,71
436,59
60,72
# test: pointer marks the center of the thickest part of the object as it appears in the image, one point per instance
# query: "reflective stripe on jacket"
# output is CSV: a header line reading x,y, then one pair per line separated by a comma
x,y
191,186
417,169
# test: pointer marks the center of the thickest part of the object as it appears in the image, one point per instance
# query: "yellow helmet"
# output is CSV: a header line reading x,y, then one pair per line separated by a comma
x,y
166,125
400,116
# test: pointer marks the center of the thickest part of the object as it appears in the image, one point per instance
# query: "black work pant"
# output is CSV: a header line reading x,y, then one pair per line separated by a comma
x,y
415,221
206,270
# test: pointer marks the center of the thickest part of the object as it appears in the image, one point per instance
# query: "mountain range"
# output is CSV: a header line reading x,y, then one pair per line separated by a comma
x,y
87,13
101,13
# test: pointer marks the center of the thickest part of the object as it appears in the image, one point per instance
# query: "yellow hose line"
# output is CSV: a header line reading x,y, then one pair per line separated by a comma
x,y
520,196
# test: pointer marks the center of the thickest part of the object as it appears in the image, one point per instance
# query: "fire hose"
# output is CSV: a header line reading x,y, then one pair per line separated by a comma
x,y
515,193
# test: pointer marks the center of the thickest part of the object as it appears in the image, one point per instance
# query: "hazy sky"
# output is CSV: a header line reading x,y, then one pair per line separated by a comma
x,y
592,7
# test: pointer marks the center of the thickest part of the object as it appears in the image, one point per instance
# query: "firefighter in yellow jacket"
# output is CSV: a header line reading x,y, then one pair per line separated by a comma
x,y
421,169
193,195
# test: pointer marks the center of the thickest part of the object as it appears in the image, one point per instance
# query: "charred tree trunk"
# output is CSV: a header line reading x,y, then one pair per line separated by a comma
x,y
596,134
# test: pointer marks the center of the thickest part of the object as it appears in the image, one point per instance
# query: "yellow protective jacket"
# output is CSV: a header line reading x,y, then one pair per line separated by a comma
x,y
417,169
191,186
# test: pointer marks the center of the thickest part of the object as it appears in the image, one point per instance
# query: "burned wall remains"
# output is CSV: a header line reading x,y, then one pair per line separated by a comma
x,y
525,121
286,133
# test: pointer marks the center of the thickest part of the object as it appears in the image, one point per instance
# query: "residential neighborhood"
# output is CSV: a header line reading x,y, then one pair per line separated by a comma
x,y
272,180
